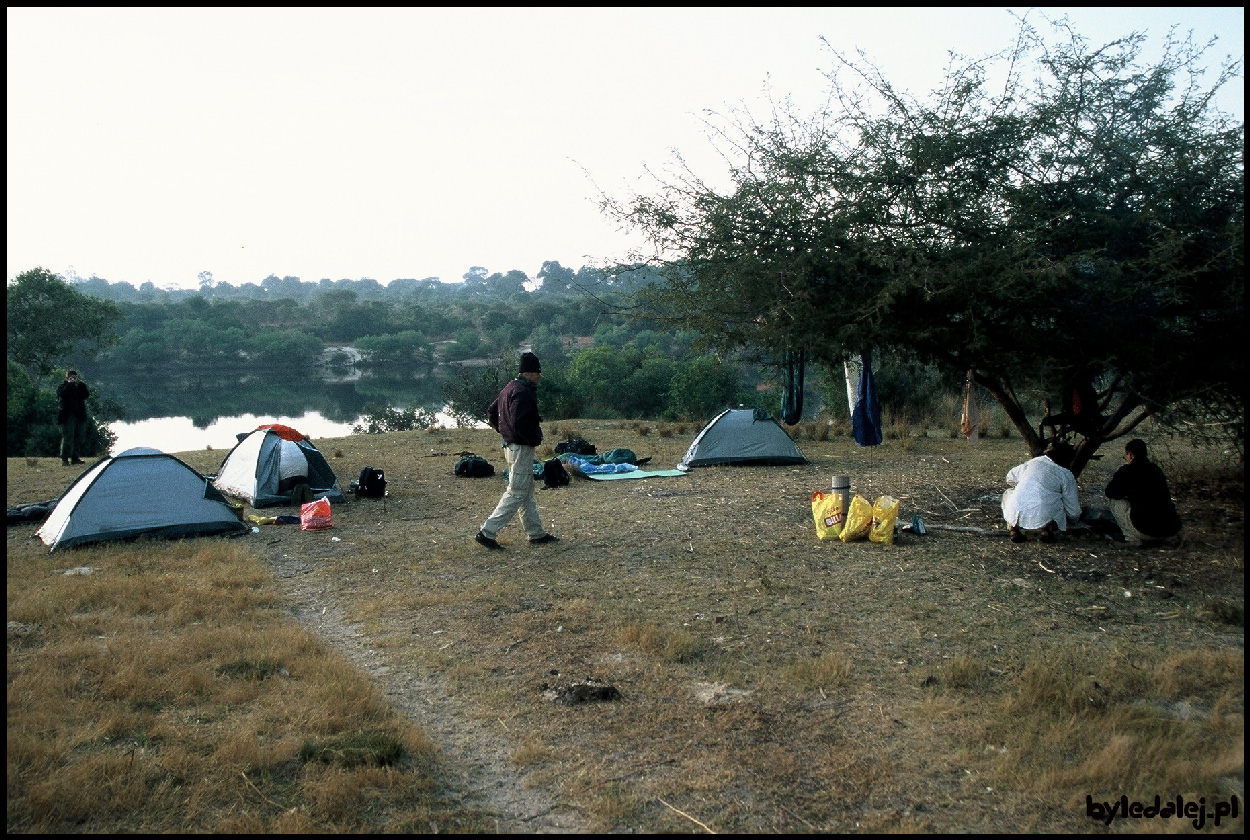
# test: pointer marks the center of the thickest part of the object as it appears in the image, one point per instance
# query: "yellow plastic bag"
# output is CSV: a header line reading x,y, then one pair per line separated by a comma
x,y
858,520
884,515
827,511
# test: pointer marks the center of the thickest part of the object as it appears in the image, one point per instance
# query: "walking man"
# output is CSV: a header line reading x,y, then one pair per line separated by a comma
x,y
72,417
514,414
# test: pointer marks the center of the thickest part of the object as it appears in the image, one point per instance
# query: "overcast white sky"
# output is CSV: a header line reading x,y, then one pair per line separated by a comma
x,y
153,144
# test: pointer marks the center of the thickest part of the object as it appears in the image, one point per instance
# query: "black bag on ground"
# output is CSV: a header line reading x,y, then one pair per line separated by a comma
x,y
474,466
371,484
576,446
554,474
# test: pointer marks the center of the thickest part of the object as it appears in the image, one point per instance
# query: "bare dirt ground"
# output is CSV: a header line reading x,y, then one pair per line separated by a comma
x,y
767,681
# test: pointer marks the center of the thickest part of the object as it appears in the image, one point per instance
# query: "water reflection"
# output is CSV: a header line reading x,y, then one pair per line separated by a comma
x,y
182,434
182,411
207,395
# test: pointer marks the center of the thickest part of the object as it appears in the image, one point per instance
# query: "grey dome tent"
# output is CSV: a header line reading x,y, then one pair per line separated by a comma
x,y
742,436
268,463
142,491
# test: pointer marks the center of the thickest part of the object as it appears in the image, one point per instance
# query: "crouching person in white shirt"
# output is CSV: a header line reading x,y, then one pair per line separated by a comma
x,y
1041,495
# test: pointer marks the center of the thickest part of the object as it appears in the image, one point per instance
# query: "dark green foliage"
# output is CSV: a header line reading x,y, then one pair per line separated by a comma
x,y
31,418
557,398
405,349
47,319
204,345
379,419
1086,214
472,390
650,383
908,387
32,407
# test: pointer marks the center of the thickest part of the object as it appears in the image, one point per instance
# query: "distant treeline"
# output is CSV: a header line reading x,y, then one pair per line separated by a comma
x,y
288,322
596,360
553,280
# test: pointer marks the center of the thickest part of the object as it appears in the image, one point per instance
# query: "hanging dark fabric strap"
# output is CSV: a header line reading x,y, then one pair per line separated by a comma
x,y
792,387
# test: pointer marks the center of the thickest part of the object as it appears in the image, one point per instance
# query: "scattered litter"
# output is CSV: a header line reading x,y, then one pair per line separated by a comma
x,y
81,570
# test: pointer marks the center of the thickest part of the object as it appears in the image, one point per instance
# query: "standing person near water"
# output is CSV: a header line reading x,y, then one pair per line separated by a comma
x,y
72,417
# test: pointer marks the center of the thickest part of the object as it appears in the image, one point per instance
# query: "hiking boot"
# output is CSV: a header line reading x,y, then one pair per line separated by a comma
x,y
545,538
482,539
1017,536
64,462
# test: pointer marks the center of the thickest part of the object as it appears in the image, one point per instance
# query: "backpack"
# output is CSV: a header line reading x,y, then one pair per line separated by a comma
x,y
575,446
371,485
474,466
554,474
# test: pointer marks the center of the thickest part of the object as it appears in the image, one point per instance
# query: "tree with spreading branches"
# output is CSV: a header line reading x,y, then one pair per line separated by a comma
x,y
47,319
1051,217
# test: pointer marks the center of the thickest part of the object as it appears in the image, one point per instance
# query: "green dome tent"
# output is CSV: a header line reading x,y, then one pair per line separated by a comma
x,y
140,492
742,436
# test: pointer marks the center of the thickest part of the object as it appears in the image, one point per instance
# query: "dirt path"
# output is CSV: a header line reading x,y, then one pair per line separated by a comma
x,y
475,760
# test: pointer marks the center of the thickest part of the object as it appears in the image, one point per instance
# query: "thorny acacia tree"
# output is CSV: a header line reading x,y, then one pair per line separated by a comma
x,y
1082,213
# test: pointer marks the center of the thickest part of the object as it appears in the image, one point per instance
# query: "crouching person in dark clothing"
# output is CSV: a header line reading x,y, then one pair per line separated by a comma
x,y
1141,500
514,414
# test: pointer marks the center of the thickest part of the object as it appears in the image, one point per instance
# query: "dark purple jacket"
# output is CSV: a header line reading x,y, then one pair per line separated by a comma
x,y
514,413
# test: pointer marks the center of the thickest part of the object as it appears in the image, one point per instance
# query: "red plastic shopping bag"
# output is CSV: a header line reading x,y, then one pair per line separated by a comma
x,y
315,516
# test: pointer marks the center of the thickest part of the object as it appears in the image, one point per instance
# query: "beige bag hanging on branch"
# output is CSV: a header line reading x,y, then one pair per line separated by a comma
x,y
970,418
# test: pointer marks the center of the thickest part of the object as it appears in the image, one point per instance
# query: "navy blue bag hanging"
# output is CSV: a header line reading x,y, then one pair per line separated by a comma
x,y
866,416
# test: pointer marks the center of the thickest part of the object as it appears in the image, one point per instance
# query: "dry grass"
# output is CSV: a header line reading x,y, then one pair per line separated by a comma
x,y
768,682
169,690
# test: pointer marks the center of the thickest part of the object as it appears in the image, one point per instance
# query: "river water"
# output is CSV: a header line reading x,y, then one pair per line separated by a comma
x,y
180,434
194,410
